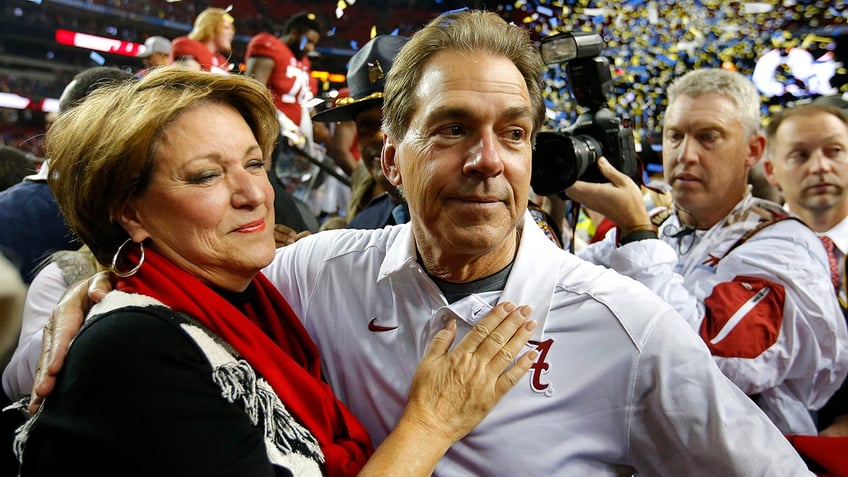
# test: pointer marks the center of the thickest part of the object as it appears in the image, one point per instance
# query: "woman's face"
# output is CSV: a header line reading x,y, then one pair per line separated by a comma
x,y
209,206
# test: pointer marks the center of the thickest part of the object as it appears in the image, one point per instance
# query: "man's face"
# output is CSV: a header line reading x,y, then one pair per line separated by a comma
x,y
809,162
706,156
369,137
302,43
464,163
157,59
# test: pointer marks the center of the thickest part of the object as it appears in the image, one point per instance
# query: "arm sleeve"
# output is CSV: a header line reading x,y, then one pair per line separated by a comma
x,y
262,44
650,262
136,397
808,350
184,47
43,294
810,353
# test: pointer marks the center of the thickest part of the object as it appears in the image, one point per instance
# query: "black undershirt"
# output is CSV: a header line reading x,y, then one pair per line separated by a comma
x,y
457,291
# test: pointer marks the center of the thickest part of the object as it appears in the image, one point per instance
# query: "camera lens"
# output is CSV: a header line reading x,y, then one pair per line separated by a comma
x,y
560,159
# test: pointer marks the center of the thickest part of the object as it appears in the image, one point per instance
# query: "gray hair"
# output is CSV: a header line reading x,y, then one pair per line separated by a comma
x,y
732,85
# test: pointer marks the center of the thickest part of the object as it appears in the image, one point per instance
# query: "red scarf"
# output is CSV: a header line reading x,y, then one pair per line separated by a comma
x,y
272,339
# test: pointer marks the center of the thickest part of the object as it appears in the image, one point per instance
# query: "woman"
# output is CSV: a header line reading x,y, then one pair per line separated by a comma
x,y
195,365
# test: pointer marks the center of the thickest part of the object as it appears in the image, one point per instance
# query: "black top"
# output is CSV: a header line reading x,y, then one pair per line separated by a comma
x,y
136,397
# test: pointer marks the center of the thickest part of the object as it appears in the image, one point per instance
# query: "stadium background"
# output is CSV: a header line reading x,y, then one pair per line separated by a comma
x,y
801,45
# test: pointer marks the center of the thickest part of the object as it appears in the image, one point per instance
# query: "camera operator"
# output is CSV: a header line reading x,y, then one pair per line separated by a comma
x,y
561,157
751,279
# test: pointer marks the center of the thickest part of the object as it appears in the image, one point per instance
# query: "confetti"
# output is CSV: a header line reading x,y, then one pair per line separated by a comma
x,y
652,42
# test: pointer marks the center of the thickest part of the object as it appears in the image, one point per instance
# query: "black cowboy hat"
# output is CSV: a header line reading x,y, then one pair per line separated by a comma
x,y
366,78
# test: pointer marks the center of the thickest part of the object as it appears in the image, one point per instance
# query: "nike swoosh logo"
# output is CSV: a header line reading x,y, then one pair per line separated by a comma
x,y
373,326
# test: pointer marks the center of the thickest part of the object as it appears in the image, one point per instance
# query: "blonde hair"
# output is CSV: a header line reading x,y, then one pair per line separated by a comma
x,y
469,31
102,152
208,23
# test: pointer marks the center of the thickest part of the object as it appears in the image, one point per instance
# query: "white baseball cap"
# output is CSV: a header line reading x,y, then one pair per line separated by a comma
x,y
154,44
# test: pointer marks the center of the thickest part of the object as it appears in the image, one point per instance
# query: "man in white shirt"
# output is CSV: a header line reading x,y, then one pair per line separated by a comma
x,y
807,158
750,278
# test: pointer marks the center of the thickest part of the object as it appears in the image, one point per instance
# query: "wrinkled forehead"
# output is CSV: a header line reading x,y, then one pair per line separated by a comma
x,y
458,80
701,110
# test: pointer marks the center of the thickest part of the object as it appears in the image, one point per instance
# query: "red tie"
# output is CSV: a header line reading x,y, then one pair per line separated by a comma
x,y
831,259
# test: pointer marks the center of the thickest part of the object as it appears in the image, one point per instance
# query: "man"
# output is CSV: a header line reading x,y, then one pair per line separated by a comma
x,y
211,35
156,51
31,225
621,384
366,78
363,108
15,165
752,280
283,65
31,229
807,158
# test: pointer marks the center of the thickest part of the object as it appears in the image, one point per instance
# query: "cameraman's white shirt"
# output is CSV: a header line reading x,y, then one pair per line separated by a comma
x,y
807,360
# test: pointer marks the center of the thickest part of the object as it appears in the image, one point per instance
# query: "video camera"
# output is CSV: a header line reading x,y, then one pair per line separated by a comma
x,y
562,157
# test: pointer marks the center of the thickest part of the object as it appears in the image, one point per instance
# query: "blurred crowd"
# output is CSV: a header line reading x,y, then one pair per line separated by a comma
x,y
648,42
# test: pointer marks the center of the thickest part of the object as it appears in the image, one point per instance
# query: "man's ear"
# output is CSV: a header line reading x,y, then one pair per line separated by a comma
x,y
131,221
389,162
756,149
768,171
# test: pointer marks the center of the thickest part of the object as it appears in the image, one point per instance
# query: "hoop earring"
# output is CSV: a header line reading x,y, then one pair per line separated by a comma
x,y
134,269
